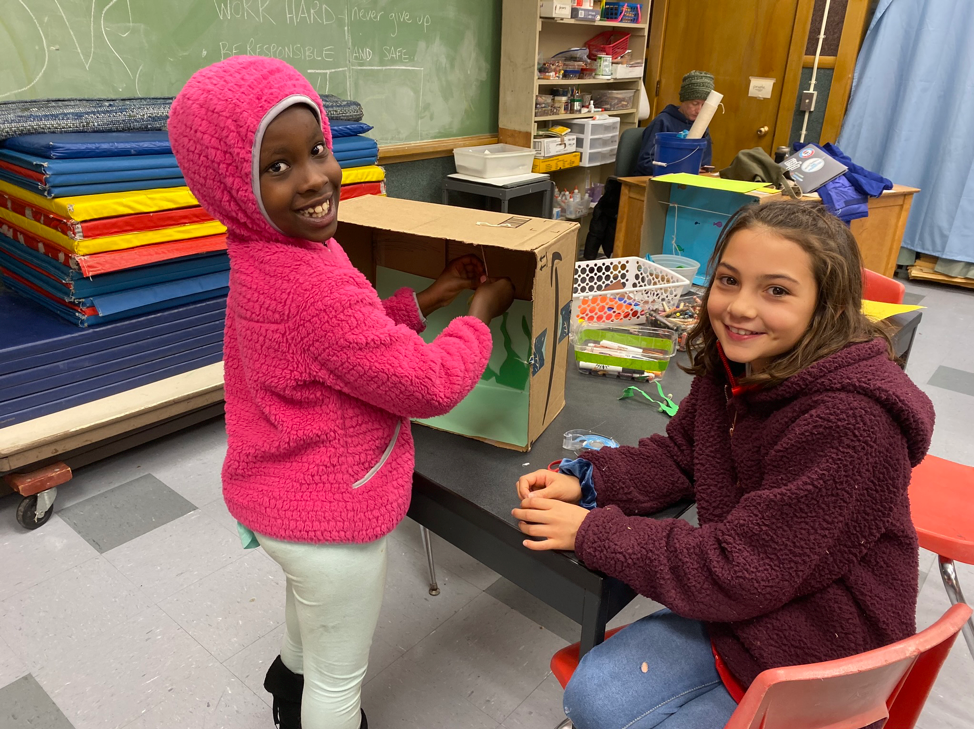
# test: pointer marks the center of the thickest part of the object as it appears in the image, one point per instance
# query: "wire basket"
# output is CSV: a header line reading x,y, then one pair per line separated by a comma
x,y
614,290
623,12
610,43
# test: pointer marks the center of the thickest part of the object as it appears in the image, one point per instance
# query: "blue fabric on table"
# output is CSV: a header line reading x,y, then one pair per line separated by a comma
x,y
909,117
91,144
847,196
341,128
582,470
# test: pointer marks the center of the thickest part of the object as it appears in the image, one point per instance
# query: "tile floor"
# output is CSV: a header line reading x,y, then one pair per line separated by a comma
x,y
135,607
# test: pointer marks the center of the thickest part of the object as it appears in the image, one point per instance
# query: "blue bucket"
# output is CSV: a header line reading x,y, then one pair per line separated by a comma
x,y
673,154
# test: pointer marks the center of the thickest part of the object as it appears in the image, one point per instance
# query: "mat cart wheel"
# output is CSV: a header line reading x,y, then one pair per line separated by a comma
x,y
35,511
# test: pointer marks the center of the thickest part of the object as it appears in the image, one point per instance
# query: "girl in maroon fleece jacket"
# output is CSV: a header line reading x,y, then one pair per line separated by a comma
x,y
796,441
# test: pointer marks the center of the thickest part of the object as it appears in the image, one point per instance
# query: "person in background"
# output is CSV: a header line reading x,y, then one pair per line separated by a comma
x,y
694,90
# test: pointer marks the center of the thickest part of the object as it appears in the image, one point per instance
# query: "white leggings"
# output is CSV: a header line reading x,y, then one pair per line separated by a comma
x,y
334,592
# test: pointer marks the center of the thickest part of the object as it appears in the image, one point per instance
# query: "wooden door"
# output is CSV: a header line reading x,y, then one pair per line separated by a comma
x,y
734,41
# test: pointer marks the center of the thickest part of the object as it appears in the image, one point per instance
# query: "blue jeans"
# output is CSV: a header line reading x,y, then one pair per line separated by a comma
x,y
679,690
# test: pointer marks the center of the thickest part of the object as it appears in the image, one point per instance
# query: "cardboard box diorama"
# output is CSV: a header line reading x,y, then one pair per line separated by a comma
x,y
686,219
400,243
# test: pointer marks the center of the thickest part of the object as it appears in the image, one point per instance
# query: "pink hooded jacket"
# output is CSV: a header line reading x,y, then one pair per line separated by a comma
x,y
322,376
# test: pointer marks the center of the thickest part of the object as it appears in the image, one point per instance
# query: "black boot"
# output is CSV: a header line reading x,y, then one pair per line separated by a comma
x,y
365,722
286,687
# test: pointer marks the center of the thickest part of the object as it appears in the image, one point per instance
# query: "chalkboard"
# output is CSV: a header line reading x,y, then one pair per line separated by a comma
x,y
422,69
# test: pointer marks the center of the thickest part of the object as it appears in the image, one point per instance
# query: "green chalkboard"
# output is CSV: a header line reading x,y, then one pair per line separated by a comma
x,y
422,69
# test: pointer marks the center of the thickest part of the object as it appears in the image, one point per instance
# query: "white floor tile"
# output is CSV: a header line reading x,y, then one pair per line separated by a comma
x,y
487,653
210,698
541,710
409,613
109,682
233,607
176,555
218,511
445,555
27,558
11,667
67,611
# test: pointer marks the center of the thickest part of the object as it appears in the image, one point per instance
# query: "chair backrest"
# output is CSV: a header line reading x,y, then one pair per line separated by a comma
x,y
627,153
851,693
877,287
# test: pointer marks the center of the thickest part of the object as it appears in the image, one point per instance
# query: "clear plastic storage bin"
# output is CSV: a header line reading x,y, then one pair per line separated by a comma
x,y
613,100
633,352
493,160
595,127
593,158
596,144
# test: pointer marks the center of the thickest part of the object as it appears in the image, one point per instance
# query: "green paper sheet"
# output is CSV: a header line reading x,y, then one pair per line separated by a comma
x,y
712,183
497,408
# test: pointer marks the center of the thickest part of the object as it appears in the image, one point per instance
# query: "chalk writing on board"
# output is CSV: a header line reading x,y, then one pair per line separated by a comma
x,y
423,69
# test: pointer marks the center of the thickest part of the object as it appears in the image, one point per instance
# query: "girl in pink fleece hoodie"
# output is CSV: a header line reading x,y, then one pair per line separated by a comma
x,y
322,377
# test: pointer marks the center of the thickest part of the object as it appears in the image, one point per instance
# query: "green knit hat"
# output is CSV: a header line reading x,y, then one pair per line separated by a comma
x,y
696,85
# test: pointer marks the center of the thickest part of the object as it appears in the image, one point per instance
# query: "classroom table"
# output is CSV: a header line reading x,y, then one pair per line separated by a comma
x,y
464,490
879,236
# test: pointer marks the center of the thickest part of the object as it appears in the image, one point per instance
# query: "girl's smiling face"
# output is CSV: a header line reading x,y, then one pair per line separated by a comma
x,y
299,177
762,298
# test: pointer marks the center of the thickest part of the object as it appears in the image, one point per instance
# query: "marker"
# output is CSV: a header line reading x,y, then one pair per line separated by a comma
x,y
612,369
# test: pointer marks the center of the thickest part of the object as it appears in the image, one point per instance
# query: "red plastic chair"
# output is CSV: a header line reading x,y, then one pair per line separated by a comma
x,y
942,504
877,287
849,693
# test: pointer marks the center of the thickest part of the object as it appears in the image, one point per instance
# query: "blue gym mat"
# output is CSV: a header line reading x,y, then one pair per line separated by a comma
x,y
90,189
78,286
56,399
91,144
33,336
86,164
73,370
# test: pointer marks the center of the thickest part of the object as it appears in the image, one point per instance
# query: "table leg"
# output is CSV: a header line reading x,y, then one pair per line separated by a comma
x,y
505,203
446,196
549,200
595,614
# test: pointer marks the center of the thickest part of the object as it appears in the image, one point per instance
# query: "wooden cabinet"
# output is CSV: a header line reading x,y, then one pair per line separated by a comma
x,y
879,236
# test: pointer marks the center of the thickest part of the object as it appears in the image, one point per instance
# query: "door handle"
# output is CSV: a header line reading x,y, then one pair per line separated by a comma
x,y
762,131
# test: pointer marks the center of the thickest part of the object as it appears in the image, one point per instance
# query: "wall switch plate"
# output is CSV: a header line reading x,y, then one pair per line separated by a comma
x,y
808,100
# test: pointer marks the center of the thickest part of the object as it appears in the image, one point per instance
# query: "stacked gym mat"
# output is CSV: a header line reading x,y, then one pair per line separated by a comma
x,y
357,154
99,227
47,364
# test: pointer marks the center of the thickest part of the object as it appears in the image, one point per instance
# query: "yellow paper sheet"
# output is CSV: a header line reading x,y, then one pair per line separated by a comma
x,y
712,183
878,310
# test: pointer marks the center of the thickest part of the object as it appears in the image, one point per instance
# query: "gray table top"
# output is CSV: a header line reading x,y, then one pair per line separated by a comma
x,y
486,475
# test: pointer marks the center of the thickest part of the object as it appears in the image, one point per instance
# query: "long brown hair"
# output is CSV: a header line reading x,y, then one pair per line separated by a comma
x,y
837,267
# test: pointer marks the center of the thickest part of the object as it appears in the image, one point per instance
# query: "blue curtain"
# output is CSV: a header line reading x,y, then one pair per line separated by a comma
x,y
911,117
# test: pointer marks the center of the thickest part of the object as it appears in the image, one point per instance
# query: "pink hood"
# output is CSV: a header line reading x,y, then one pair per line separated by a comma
x,y
216,126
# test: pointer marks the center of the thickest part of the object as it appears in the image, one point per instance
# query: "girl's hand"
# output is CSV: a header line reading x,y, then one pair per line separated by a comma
x,y
461,274
492,299
549,485
555,521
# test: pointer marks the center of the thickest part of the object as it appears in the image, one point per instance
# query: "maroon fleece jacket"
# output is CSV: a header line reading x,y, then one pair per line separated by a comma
x,y
805,551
